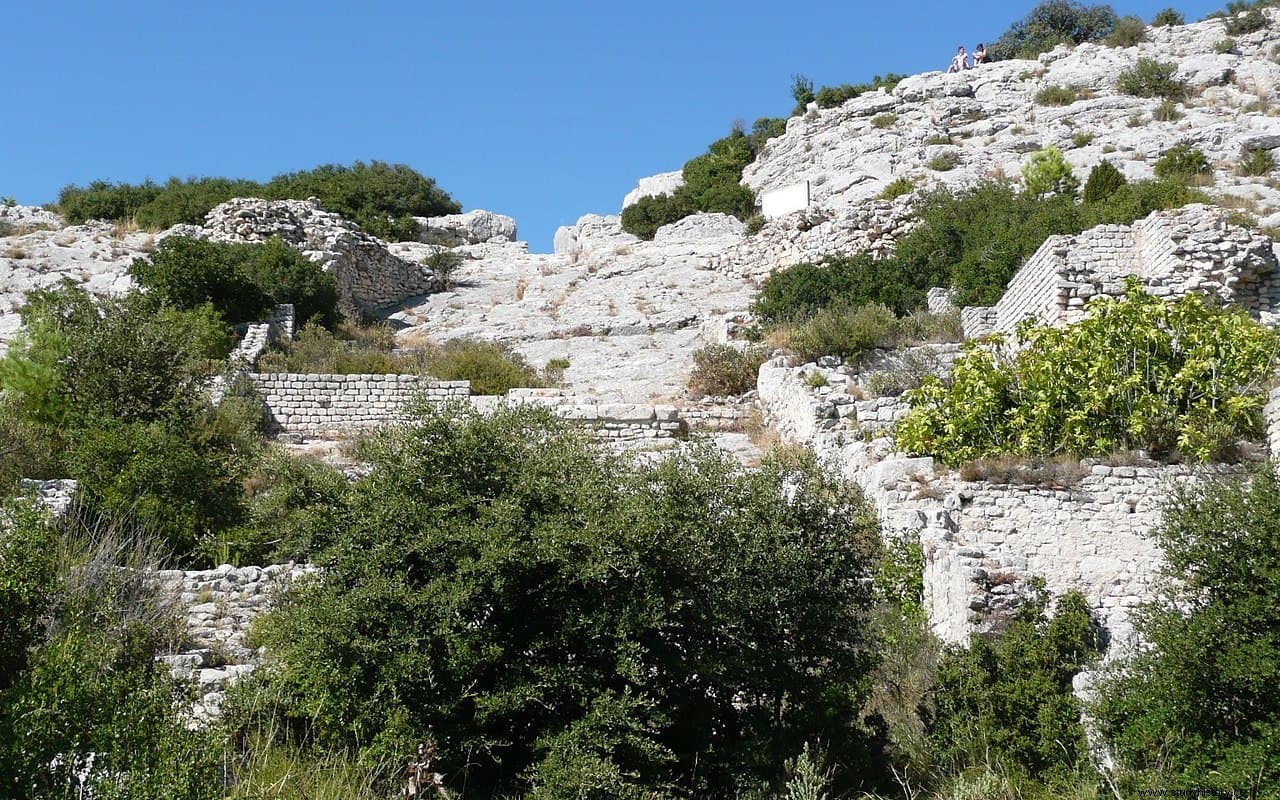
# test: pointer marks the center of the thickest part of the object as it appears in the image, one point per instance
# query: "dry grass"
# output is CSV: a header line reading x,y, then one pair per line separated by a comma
x,y
1057,472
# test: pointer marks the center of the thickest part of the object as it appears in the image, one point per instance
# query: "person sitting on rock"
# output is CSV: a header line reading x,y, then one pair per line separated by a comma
x,y
960,62
979,54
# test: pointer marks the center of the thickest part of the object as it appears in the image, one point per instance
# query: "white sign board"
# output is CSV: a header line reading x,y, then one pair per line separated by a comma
x,y
779,202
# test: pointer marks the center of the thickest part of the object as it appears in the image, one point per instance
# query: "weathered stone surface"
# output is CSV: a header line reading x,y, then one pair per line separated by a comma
x,y
472,227
369,277
662,183
700,226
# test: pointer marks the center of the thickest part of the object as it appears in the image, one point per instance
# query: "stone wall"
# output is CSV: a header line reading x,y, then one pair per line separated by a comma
x,y
369,278
1172,253
609,421
984,541
217,607
319,403
809,236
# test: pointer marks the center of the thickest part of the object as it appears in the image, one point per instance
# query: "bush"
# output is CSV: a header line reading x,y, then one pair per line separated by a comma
x,y
382,198
1185,378
721,369
799,292
844,331
295,506
1056,96
1224,46
1167,17
1050,24
1047,172
1127,32
1166,111
882,121
897,188
492,367
1104,181
243,281
1183,163
943,162
444,265
1151,78
1007,703
85,709
643,217
1256,162
1251,21
1196,712
832,96
637,675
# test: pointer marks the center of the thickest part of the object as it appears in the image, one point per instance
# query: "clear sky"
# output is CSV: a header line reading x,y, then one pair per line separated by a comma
x,y
541,110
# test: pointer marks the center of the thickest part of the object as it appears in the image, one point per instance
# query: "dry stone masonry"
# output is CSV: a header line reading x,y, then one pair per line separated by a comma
x,y
332,403
369,277
1172,253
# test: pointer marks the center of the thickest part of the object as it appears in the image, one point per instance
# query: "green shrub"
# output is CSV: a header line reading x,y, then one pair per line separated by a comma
x,y
1151,78
1127,32
1224,46
755,223
1167,17
1082,139
1056,96
799,292
1047,172
444,265
382,198
243,281
295,506
832,96
492,367
712,181
897,187
803,94
637,674
85,709
882,121
1050,24
1251,21
844,331
943,162
350,351
1166,111
1006,703
643,217
1104,181
1186,378
1256,162
1196,711
721,369
1183,163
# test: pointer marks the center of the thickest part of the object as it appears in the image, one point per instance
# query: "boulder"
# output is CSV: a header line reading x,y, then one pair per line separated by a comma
x,y
662,183
473,227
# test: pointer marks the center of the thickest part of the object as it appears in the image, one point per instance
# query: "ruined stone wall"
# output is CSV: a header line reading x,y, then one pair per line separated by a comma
x,y
984,541
319,403
608,421
1172,253
810,236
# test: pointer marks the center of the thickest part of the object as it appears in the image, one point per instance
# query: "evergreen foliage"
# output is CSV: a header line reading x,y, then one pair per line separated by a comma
x,y
1198,711
554,618
1050,24
242,281
382,198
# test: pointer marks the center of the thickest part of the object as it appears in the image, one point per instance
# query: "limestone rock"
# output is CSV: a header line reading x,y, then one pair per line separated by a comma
x,y
369,277
662,183
472,227
700,226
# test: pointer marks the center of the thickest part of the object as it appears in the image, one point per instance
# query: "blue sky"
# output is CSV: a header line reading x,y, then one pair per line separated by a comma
x,y
541,110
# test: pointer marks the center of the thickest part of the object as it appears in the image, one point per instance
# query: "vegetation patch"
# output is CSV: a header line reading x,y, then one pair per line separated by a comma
x,y
1151,78
381,198
722,370
1183,379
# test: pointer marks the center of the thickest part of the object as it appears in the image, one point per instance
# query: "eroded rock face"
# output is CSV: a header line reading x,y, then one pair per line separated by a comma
x,y
662,183
472,227
700,226
369,277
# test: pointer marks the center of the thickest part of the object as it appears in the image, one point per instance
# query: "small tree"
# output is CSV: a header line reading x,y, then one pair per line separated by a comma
x,y
1182,163
444,266
1104,181
1047,172
1167,18
1151,78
